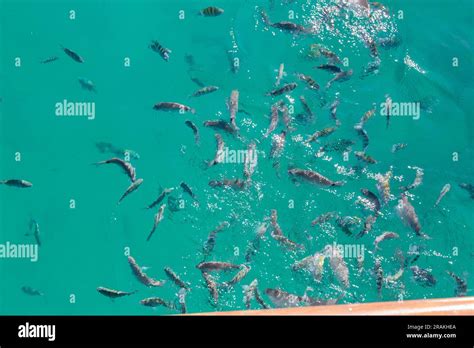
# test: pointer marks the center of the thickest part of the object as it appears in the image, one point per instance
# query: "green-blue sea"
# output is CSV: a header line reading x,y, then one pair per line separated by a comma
x,y
424,57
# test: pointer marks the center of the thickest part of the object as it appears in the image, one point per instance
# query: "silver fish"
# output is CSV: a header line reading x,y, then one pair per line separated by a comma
x,y
156,221
114,293
337,264
384,236
141,276
16,183
204,90
443,192
313,177
126,167
133,186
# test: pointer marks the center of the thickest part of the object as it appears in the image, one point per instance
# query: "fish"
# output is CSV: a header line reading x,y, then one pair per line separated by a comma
x,y
16,183
329,55
340,145
160,198
250,162
244,270
417,182
254,244
216,266
364,157
313,177
290,27
371,68
172,106
347,223
278,144
389,42
286,242
104,147
338,265
340,77
309,81
141,276
221,125
126,167
443,192
162,51
31,291
378,270
156,301
87,84
313,263
187,189
388,107
283,299
323,218
367,115
211,11
397,147
34,228
363,134
197,82
395,277
235,184
281,72
384,236
249,292
407,214
182,300
219,152
286,118
175,279
133,186
157,219
211,238
204,90
73,55
330,68
383,186
461,284
321,133
273,120
333,111
423,276
306,107
468,187
49,60
284,89
233,107
211,286
368,224
111,293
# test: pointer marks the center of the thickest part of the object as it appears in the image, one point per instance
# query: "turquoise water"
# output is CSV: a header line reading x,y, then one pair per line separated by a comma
x,y
86,247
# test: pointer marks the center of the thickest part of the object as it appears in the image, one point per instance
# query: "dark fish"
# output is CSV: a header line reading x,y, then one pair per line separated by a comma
x,y
204,90
162,51
313,177
219,152
133,186
172,106
49,60
195,130
286,242
141,276
286,88
244,270
368,224
211,239
114,293
175,279
260,300
30,291
306,108
16,183
321,133
235,184
290,26
273,119
346,223
156,301
105,147
216,266
333,111
468,187
372,197
222,125
211,286
283,299
378,275
86,84
323,218
197,81
211,11
309,81
340,77
329,67
278,144
73,55
157,219
363,134
461,285
423,276
160,197
187,189
126,166
340,145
